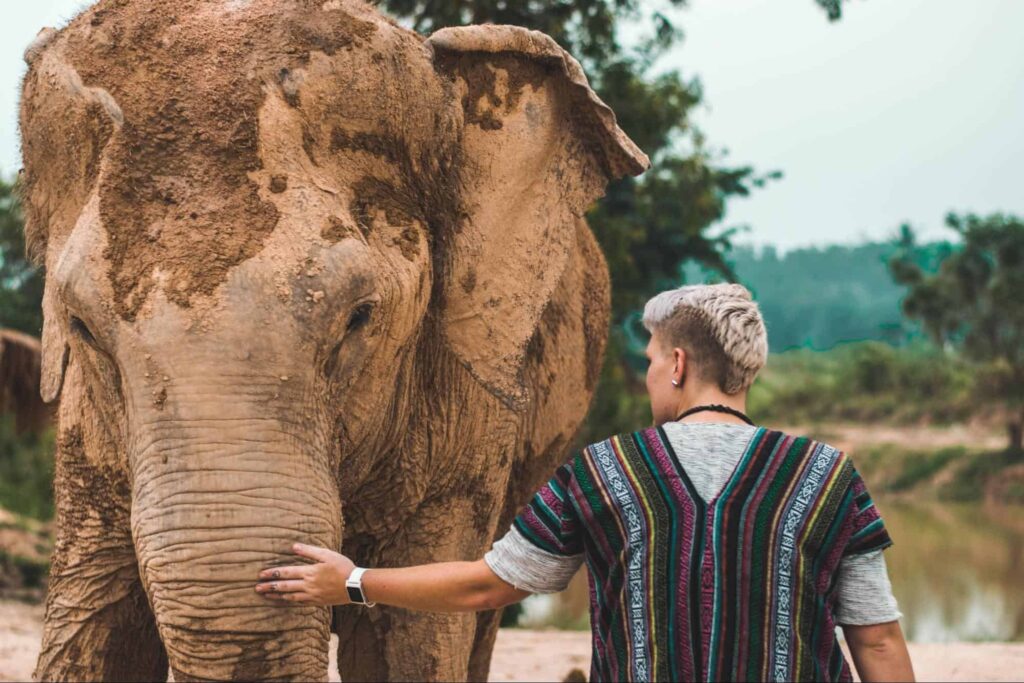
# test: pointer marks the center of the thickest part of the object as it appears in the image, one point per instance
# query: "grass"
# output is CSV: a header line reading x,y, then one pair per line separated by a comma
x,y
923,466
863,382
954,473
26,471
979,473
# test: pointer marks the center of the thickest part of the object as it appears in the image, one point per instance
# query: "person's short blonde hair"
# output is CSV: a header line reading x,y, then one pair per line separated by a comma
x,y
719,326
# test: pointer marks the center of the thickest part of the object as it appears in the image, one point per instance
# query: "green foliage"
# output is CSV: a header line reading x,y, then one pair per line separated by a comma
x,y
510,615
26,572
925,466
973,303
585,27
833,8
866,382
26,471
817,298
959,474
977,475
21,285
621,403
893,468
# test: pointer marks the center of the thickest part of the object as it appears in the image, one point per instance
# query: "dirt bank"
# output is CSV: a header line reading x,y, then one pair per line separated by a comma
x,y
523,655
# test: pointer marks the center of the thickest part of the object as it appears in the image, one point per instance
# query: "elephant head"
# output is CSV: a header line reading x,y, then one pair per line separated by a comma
x,y
274,231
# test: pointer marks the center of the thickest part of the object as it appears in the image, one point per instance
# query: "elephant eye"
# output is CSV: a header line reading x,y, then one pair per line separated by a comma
x,y
79,327
360,316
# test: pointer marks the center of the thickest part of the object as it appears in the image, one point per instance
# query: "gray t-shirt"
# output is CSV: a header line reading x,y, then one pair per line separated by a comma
x,y
709,452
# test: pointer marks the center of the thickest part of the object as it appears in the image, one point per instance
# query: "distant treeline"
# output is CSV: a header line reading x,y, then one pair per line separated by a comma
x,y
817,298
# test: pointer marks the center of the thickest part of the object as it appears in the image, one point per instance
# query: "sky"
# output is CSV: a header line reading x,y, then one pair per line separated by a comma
x,y
900,112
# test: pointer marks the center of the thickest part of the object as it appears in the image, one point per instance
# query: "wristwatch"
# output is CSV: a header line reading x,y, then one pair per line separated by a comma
x,y
354,586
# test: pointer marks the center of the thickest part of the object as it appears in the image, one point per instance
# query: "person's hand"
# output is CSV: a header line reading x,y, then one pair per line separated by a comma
x,y
321,583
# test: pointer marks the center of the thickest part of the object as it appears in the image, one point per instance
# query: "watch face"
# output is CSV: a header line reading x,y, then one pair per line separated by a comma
x,y
354,594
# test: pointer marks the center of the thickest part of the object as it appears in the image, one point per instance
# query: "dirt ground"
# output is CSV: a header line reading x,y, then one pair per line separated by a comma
x,y
523,655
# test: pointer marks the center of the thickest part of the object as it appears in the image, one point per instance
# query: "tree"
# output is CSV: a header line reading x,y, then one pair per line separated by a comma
x,y
973,304
21,284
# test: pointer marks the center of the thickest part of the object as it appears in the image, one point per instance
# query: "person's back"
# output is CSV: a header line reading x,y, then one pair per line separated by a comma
x,y
712,550
716,550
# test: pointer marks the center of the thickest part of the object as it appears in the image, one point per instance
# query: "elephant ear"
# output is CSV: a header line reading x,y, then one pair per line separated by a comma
x,y
55,349
538,148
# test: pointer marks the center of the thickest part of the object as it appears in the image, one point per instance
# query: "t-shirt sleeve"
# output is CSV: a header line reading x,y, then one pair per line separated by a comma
x,y
544,548
864,592
550,521
868,532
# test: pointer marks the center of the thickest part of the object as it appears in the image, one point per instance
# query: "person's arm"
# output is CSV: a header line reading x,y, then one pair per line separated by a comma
x,y
440,587
867,608
879,652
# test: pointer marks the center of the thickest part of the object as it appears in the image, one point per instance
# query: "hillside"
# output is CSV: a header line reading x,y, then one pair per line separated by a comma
x,y
817,298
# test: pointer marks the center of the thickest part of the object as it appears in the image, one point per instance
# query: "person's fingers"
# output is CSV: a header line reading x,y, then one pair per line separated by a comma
x,y
280,586
313,552
276,597
297,596
292,572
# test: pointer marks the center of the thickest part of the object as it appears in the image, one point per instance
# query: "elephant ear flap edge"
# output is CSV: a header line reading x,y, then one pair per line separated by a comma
x,y
538,148
55,349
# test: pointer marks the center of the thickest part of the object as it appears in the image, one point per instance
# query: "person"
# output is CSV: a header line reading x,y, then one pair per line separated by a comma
x,y
715,549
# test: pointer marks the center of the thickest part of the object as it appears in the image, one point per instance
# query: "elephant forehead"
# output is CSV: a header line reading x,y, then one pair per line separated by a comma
x,y
178,191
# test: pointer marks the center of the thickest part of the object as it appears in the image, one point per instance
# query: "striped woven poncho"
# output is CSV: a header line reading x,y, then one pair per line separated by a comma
x,y
740,587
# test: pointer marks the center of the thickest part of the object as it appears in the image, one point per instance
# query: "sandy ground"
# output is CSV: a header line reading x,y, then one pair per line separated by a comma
x,y
523,655
851,436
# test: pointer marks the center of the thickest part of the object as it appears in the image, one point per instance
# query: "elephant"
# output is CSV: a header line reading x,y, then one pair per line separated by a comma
x,y
20,360
310,277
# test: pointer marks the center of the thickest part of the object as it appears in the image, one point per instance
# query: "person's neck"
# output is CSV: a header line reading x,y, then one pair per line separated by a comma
x,y
710,397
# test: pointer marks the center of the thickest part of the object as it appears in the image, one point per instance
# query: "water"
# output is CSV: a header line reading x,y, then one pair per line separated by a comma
x,y
957,572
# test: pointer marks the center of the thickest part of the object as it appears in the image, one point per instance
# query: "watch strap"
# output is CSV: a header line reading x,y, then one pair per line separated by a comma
x,y
354,586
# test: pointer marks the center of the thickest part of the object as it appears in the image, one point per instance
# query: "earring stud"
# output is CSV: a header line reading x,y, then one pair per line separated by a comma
x,y
675,383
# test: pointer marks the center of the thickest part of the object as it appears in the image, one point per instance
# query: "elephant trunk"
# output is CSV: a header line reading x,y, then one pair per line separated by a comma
x,y
216,500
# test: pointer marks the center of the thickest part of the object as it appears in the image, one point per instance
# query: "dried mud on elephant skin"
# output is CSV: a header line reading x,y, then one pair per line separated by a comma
x,y
182,145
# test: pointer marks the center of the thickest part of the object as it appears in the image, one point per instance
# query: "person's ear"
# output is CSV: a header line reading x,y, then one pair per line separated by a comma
x,y
537,148
679,365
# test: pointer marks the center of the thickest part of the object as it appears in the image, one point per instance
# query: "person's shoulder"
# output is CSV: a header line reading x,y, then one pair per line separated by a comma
x,y
615,442
811,446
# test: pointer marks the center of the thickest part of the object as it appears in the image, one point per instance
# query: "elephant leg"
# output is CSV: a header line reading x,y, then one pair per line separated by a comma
x,y
99,627
385,643
391,644
98,624
483,644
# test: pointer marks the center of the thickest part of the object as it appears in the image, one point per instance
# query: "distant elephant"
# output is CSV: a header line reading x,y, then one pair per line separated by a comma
x,y
19,381
310,277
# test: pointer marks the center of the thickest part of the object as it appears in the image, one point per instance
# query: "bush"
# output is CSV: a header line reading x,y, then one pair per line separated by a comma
x,y
26,471
865,381
977,475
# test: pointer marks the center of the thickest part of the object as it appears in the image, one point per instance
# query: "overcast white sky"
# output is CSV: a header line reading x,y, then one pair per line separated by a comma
x,y
901,111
